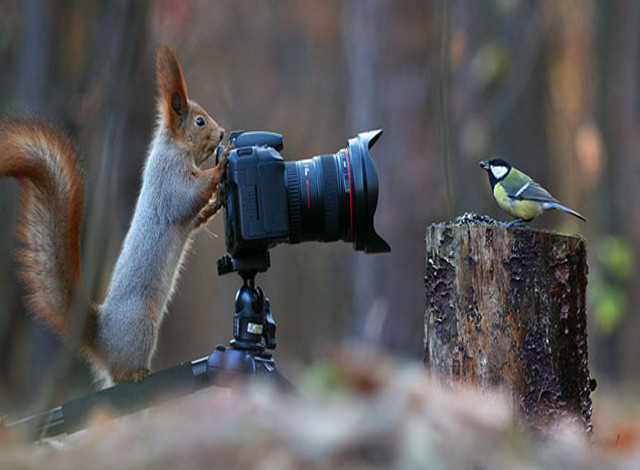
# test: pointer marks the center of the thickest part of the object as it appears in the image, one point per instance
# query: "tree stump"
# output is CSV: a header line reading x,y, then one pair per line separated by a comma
x,y
506,308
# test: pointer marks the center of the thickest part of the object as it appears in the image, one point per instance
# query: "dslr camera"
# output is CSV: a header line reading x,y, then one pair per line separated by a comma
x,y
268,200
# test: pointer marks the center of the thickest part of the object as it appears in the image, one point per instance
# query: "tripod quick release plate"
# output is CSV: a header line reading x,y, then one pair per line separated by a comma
x,y
254,263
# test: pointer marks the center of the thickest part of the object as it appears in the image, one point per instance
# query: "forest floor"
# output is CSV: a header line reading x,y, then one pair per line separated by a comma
x,y
353,410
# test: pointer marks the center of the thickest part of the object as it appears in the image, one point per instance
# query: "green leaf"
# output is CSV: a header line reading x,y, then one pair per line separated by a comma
x,y
616,256
610,306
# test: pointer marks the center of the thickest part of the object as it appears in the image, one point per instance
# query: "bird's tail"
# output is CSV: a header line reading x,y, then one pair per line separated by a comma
x,y
560,207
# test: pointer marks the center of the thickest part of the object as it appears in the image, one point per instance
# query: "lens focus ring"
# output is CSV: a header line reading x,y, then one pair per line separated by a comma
x,y
331,208
294,206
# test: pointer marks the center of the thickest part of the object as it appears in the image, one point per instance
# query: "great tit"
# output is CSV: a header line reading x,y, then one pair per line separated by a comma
x,y
518,195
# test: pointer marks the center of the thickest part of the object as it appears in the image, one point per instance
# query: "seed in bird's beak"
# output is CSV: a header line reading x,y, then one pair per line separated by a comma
x,y
484,165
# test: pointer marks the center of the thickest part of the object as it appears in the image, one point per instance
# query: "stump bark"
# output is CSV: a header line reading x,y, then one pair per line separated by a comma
x,y
506,308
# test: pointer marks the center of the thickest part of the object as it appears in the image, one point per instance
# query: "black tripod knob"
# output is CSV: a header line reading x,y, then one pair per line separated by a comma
x,y
269,333
248,321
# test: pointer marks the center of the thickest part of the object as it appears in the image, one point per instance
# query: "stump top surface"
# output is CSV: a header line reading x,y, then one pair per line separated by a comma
x,y
474,220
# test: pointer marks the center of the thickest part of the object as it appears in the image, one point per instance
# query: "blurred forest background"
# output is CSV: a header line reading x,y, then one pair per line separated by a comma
x,y
550,85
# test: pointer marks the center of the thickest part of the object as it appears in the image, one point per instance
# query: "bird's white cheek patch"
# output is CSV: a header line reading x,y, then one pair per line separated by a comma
x,y
499,171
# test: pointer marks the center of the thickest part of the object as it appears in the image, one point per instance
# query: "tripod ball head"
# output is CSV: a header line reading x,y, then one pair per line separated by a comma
x,y
252,320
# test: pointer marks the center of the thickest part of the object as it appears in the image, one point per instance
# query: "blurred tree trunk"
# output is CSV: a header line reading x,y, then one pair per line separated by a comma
x,y
361,50
31,92
619,49
383,94
31,84
569,108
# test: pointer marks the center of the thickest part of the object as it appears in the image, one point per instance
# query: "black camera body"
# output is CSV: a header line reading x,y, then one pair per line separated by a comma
x,y
255,197
268,200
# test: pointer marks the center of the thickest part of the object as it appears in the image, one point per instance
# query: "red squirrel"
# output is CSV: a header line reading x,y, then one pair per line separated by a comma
x,y
119,335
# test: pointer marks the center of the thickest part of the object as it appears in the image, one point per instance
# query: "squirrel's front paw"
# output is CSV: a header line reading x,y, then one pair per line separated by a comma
x,y
208,211
221,167
223,157
214,204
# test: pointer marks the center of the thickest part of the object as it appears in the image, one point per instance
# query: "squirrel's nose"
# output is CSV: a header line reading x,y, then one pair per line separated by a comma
x,y
221,134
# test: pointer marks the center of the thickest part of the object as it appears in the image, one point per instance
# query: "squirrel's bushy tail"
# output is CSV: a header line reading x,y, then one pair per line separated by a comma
x,y
52,197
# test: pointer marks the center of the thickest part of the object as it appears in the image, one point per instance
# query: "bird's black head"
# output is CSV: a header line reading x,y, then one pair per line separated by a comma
x,y
496,168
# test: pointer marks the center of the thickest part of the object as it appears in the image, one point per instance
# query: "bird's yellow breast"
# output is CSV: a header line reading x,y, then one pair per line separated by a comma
x,y
525,210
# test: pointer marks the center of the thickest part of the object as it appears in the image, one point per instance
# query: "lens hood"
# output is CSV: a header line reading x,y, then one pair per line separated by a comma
x,y
364,193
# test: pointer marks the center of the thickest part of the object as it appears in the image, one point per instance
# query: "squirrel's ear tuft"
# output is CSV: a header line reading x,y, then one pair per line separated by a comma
x,y
171,87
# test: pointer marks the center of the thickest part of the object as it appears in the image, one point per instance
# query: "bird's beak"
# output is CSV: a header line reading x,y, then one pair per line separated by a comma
x,y
484,165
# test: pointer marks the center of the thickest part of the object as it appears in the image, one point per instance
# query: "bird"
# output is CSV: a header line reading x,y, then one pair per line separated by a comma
x,y
519,195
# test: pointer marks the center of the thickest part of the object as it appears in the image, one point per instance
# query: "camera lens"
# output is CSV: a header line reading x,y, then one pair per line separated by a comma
x,y
332,197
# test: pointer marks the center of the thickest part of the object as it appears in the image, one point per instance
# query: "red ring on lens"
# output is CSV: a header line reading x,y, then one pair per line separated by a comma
x,y
346,151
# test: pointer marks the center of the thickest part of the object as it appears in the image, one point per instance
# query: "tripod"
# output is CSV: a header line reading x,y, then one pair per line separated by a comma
x,y
252,323
245,358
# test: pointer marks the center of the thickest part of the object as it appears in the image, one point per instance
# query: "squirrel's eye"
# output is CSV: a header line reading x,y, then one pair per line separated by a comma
x,y
199,121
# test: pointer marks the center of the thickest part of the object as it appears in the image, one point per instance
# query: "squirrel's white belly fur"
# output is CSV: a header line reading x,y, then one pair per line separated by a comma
x,y
138,296
147,269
